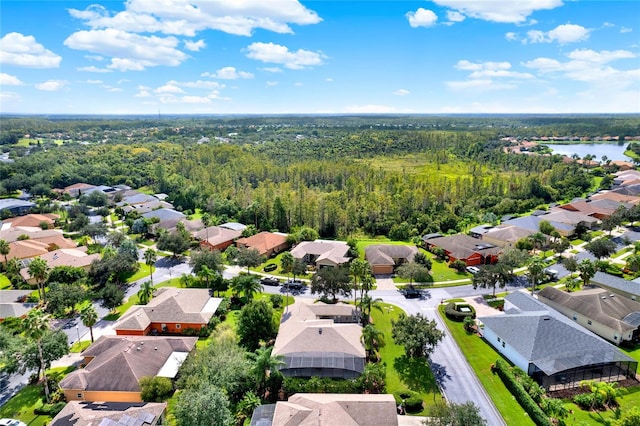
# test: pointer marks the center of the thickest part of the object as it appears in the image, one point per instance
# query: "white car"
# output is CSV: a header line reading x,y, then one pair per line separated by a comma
x,y
11,422
472,269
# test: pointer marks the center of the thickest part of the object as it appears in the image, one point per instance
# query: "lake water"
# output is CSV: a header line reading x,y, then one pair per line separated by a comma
x,y
613,151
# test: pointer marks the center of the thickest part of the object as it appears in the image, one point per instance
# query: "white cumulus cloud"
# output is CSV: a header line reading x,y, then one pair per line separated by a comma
x,y
128,51
9,80
421,18
506,11
401,92
187,17
24,51
228,73
278,54
194,46
93,69
455,16
168,88
562,34
51,85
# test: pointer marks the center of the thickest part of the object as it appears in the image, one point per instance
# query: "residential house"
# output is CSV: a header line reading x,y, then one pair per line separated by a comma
x,y
311,409
266,243
616,196
171,310
624,176
114,366
555,351
480,230
78,189
465,248
630,289
171,225
385,258
39,245
163,214
87,413
599,209
216,237
13,304
320,340
75,257
322,253
558,215
15,207
532,224
506,235
33,220
631,189
614,318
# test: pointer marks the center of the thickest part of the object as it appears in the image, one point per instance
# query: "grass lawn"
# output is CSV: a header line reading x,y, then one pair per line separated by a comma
x,y
576,242
364,242
402,373
633,353
143,271
278,271
480,356
4,282
78,347
621,252
586,418
21,406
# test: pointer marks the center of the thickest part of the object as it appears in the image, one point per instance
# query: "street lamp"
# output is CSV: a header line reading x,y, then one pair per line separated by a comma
x,y
78,331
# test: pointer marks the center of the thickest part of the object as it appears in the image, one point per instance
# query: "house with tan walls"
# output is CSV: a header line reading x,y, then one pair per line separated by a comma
x,y
114,366
75,257
266,243
87,413
170,311
322,253
385,258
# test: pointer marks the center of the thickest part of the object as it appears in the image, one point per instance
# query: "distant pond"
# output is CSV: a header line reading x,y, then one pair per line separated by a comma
x,y
613,151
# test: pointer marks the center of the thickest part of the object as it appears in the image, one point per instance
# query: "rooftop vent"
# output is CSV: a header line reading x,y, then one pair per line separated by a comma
x,y
603,297
611,295
546,318
319,331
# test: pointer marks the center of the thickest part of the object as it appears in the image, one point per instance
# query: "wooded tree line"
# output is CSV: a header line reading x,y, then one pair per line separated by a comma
x,y
333,180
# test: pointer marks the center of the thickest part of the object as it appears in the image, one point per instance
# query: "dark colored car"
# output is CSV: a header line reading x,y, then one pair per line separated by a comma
x,y
412,293
294,284
270,281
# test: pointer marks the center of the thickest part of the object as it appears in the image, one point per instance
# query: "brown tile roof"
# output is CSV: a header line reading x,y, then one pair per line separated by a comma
x,y
333,251
76,257
615,196
119,362
384,254
32,220
26,249
13,233
263,241
170,304
463,246
306,409
216,235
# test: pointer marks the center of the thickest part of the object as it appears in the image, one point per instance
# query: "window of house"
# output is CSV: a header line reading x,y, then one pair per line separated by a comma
x,y
79,395
575,318
177,326
615,337
499,339
503,344
589,322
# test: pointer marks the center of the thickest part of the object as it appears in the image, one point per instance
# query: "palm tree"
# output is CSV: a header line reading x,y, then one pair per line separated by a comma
x,y
286,262
36,324
538,238
366,304
89,317
536,271
372,338
39,270
5,248
358,268
248,285
205,273
145,293
587,270
263,364
150,257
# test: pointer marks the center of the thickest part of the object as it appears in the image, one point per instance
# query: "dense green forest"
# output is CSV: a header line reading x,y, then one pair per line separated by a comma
x,y
399,176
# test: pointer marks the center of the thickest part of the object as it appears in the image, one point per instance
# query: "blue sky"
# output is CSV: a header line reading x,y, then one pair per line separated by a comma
x,y
289,56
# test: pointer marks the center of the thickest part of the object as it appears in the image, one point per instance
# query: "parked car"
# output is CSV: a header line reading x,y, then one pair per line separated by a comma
x,y
273,281
472,269
412,293
11,422
552,274
295,284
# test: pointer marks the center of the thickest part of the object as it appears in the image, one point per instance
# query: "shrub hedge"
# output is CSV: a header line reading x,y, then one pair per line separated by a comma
x,y
517,390
412,400
49,409
452,312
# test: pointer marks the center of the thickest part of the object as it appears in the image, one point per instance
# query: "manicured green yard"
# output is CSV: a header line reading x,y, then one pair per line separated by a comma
x,y
480,356
441,272
403,373
581,417
621,252
4,282
78,347
143,271
363,243
633,353
278,271
21,406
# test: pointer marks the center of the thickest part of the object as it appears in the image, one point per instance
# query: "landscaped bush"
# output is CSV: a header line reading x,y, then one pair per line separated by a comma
x,y
276,300
49,409
521,395
496,303
412,400
453,313
269,267
294,385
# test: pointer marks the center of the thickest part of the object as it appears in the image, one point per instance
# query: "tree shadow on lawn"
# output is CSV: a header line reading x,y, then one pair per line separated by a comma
x,y
416,374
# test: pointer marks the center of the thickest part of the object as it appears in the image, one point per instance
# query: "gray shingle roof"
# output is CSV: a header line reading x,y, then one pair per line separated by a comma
x,y
616,283
85,413
550,341
384,254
